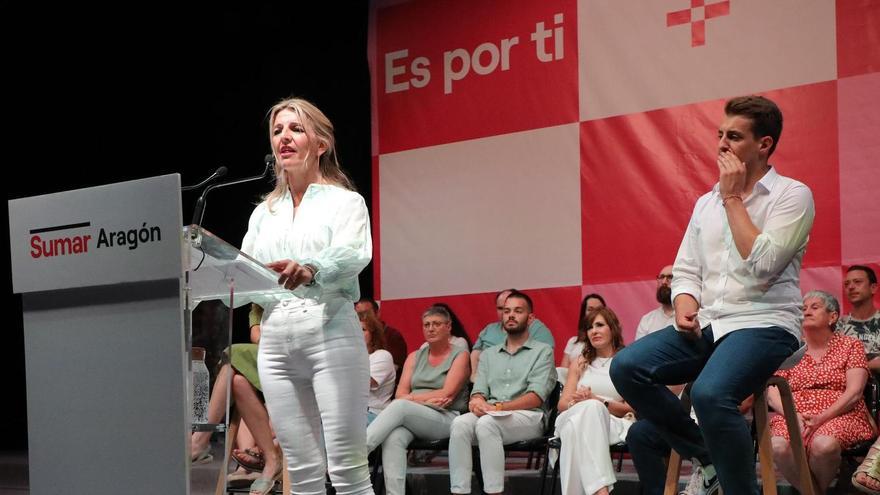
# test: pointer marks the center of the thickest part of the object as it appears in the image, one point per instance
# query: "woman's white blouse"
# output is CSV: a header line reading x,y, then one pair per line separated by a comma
x,y
573,348
382,370
597,378
330,229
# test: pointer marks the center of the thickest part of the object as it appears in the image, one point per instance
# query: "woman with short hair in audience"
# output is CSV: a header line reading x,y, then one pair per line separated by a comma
x,y
382,372
432,392
828,386
457,336
593,415
575,345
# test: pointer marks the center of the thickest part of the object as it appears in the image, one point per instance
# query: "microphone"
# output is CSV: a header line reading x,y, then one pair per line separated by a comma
x,y
199,212
220,172
269,160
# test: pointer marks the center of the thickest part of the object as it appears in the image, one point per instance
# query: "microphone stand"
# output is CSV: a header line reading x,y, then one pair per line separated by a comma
x,y
199,211
220,172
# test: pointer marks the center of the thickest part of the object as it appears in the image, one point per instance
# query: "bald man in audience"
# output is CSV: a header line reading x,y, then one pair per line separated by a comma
x,y
663,315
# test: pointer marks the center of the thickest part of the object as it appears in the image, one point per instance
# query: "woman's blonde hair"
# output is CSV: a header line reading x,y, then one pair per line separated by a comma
x,y
317,126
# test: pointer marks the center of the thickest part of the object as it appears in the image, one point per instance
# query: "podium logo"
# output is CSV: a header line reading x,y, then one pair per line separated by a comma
x,y
61,246
79,244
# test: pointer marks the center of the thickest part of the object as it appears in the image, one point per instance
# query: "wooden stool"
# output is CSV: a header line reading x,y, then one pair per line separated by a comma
x,y
765,449
673,467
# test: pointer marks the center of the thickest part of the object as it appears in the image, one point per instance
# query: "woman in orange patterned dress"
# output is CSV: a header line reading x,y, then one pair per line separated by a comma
x,y
828,386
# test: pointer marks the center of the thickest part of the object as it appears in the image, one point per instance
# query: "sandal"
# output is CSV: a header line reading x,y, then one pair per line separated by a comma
x,y
263,486
249,459
242,478
871,468
202,457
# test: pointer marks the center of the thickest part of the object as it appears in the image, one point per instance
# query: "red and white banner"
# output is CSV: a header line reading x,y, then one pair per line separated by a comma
x,y
639,56
558,147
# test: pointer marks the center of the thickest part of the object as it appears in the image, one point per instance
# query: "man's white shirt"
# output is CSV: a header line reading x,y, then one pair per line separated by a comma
x,y
762,290
654,320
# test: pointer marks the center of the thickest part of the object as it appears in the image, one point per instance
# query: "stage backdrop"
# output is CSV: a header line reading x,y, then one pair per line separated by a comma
x,y
559,146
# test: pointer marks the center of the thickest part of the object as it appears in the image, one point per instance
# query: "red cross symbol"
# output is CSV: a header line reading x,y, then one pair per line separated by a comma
x,y
696,16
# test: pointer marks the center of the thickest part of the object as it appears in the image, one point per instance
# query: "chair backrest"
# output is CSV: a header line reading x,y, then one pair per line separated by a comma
x,y
553,410
794,359
872,400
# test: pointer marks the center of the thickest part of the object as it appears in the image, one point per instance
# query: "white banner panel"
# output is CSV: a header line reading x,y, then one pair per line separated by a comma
x,y
637,56
125,232
480,215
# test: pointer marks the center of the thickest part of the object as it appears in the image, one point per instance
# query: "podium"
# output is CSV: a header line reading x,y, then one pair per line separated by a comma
x,y
109,280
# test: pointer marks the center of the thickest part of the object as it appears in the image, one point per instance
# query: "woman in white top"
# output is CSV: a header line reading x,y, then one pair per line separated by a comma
x,y
382,372
593,415
314,230
575,345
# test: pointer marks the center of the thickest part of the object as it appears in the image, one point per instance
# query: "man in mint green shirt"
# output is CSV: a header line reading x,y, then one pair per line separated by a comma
x,y
508,401
492,334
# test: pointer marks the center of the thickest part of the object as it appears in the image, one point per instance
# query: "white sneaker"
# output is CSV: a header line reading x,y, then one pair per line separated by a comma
x,y
695,485
698,485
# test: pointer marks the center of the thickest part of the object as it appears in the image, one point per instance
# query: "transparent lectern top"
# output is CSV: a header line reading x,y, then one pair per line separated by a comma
x,y
215,266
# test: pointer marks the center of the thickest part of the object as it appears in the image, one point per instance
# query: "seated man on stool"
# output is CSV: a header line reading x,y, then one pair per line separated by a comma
x,y
737,301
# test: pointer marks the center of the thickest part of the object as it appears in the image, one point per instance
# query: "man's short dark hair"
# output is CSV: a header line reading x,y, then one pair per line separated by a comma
x,y
498,294
765,116
372,302
521,295
872,277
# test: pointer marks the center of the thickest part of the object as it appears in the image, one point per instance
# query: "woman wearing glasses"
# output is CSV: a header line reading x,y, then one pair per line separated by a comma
x,y
430,395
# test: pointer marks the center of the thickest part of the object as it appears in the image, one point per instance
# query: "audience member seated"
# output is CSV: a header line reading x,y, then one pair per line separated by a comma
x,y
593,415
828,386
863,322
382,373
432,392
394,341
493,333
664,315
508,402
458,336
259,464
574,348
